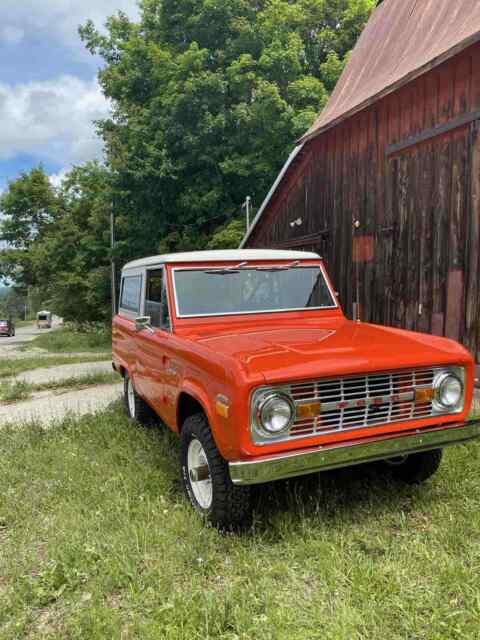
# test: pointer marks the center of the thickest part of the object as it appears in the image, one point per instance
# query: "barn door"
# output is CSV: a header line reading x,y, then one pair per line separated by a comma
x,y
431,213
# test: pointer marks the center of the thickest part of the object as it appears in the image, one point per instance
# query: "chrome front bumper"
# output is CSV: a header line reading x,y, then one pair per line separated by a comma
x,y
334,456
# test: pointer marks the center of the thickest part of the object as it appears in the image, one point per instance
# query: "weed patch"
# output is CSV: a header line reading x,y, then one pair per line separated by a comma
x,y
71,339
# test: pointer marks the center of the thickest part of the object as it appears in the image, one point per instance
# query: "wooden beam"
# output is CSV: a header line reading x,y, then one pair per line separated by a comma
x,y
429,134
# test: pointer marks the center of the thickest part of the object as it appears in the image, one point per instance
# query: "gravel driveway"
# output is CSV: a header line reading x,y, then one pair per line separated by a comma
x,y
64,372
47,407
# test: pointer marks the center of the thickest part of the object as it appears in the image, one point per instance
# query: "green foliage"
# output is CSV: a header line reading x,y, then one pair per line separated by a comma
x,y
209,97
229,236
85,337
12,303
67,255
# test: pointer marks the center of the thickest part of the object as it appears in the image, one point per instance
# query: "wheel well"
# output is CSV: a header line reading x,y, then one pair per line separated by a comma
x,y
187,406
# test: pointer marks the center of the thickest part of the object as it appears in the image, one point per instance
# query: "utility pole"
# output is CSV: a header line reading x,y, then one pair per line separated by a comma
x,y
247,205
112,258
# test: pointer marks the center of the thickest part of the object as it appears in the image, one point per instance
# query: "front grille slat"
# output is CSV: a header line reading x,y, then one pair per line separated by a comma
x,y
355,402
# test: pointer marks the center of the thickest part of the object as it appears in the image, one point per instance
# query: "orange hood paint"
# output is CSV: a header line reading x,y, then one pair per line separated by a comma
x,y
332,347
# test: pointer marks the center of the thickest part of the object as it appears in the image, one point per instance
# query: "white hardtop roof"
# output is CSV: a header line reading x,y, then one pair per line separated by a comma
x,y
222,256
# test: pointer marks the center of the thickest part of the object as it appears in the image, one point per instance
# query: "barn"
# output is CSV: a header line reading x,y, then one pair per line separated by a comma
x,y
386,183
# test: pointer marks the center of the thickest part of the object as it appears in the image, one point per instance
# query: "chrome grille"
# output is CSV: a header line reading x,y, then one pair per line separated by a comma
x,y
357,402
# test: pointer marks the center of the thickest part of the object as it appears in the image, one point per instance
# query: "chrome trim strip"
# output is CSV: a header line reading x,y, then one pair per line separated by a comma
x,y
324,458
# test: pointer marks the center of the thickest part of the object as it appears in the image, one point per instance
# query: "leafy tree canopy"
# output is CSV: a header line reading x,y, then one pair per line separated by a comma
x,y
209,97
67,256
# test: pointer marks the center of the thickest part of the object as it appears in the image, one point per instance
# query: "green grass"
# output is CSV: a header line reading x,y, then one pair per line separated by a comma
x,y
66,340
14,391
23,323
18,390
12,367
97,541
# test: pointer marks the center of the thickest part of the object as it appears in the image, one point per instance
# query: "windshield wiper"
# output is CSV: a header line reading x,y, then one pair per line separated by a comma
x,y
283,267
223,271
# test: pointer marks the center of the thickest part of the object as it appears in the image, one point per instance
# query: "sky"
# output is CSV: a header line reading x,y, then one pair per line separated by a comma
x,y
49,94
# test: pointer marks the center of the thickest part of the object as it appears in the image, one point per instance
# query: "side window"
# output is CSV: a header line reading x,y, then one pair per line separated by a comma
x,y
153,301
131,290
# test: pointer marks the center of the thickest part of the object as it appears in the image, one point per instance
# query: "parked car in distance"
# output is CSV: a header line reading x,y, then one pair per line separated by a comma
x,y
248,357
7,328
44,320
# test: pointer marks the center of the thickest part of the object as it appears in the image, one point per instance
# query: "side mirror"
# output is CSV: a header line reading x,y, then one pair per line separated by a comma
x,y
144,322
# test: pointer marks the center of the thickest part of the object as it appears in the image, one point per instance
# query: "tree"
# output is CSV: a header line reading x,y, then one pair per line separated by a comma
x,y
208,98
30,207
228,236
68,260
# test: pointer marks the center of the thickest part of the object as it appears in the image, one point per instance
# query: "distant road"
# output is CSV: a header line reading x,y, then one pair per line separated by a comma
x,y
23,334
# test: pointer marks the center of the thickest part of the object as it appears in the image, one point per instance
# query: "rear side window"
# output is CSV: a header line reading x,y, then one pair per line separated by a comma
x,y
131,290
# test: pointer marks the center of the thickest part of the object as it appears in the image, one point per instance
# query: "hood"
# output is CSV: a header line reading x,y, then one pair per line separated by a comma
x,y
331,348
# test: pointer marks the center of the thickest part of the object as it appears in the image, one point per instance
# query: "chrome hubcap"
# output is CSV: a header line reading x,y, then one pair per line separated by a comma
x,y
199,474
131,398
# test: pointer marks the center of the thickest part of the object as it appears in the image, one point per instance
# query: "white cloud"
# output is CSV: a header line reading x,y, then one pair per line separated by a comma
x,y
52,119
59,19
56,179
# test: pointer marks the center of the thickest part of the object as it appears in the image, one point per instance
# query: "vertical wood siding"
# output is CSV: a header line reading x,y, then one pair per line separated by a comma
x,y
391,199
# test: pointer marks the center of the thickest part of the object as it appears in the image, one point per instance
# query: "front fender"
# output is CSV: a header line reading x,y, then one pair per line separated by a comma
x,y
219,425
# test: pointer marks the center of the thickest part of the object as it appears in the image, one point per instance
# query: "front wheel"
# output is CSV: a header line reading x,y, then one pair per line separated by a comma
x,y
206,478
416,468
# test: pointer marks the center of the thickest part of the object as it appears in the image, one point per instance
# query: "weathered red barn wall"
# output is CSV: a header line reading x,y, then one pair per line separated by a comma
x,y
390,198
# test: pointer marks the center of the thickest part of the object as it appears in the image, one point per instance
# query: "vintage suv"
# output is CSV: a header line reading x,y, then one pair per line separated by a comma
x,y
248,356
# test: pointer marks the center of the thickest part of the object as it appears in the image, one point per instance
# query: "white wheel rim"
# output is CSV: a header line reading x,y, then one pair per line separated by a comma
x,y
202,489
131,398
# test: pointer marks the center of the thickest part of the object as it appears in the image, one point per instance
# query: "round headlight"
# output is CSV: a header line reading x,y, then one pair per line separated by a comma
x,y
276,414
449,390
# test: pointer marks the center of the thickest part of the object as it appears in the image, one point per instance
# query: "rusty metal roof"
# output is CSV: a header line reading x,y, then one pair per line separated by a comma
x,y
402,40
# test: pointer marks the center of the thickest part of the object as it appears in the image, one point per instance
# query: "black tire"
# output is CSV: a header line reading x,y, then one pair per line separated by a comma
x,y
140,410
230,505
416,468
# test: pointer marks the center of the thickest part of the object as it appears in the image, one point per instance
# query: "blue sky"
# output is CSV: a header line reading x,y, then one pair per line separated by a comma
x,y
49,95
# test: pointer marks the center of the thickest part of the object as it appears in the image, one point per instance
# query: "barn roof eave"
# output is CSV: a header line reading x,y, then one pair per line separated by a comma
x,y
270,194
311,134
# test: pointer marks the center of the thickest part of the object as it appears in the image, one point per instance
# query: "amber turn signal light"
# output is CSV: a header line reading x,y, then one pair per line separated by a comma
x,y
222,406
423,395
310,410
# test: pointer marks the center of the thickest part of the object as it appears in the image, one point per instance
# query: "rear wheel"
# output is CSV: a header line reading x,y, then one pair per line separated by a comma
x,y
135,406
416,468
206,478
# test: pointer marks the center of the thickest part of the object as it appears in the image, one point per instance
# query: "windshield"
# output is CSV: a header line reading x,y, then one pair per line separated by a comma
x,y
237,290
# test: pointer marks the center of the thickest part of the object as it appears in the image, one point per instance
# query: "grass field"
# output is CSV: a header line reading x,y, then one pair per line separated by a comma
x,y
65,340
97,541
14,366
